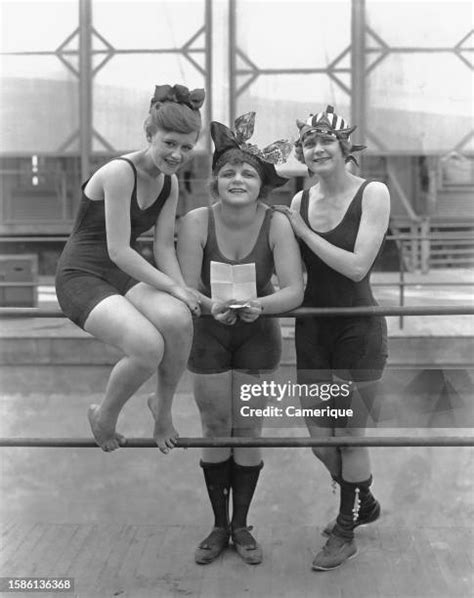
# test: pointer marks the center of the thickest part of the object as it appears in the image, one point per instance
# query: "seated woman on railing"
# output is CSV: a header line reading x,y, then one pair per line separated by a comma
x,y
107,288
236,347
340,222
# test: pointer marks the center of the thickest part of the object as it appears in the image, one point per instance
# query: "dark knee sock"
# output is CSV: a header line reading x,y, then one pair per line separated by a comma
x,y
244,482
367,499
218,481
350,504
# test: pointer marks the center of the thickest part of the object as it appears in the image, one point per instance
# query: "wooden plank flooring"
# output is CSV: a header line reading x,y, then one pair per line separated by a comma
x,y
147,561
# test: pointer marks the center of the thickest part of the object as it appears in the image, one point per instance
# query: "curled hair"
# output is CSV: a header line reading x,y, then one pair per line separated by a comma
x,y
299,151
171,116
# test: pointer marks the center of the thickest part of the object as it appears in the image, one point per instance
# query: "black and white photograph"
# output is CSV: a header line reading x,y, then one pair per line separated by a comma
x,y
236,298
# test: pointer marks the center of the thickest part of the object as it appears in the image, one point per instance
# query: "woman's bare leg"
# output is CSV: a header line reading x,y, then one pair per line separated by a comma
x,y
117,322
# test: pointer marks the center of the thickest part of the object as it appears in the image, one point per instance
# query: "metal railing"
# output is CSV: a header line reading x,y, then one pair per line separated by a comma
x,y
402,284
269,442
288,442
300,312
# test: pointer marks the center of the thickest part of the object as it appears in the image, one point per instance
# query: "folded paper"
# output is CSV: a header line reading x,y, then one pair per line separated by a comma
x,y
233,282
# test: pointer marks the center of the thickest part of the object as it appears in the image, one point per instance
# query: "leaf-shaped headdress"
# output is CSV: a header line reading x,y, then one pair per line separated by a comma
x,y
179,94
330,124
225,140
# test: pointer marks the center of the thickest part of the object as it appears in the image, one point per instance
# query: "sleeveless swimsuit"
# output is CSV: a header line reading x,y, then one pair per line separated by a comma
x,y
353,348
85,274
251,347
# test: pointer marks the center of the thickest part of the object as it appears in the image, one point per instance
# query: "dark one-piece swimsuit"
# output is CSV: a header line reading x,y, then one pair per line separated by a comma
x,y
85,274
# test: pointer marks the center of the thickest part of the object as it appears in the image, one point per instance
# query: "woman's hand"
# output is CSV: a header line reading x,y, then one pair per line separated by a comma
x,y
250,312
223,313
190,297
297,223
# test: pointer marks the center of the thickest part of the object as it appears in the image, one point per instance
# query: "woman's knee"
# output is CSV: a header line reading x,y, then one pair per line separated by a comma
x,y
253,430
146,350
217,424
175,320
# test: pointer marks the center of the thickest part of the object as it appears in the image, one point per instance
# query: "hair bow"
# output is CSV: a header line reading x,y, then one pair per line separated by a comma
x,y
225,139
179,94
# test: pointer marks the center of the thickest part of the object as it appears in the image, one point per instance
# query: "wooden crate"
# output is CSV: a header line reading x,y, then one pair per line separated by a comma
x,y
19,280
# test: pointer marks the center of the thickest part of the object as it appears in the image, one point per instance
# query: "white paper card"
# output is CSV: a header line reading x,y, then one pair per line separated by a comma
x,y
233,282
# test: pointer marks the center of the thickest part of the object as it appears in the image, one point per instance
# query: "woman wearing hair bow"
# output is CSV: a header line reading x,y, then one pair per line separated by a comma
x,y
237,346
107,288
340,222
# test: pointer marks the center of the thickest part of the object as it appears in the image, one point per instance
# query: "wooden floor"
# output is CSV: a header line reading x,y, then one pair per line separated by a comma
x,y
132,561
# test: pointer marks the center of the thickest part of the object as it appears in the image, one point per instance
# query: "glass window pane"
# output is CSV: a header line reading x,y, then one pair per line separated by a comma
x,y
298,34
442,23
272,97
27,122
33,82
153,24
36,25
302,35
123,90
409,110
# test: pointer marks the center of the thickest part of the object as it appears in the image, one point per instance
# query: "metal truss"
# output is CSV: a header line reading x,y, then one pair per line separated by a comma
x,y
69,51
373,46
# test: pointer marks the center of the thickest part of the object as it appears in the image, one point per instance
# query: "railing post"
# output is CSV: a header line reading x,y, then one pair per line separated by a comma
x,y
358,79
85,85
425,246
401,281
232,25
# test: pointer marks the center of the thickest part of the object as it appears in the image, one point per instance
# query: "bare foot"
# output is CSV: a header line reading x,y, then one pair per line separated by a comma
x,y
105,436
164,434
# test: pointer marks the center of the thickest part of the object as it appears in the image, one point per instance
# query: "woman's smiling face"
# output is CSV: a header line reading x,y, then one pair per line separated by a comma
x,y
322,153
170,149
238,183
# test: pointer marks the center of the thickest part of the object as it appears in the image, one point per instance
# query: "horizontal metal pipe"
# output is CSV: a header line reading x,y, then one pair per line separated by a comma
x,y
273,442
301,312
149,238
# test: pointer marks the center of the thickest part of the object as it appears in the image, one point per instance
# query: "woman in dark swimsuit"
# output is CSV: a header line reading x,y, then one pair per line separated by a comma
x,y
107,288
237,348
340,222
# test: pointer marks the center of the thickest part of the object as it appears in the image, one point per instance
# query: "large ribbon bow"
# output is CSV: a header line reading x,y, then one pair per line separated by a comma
x,y
224,139
180,94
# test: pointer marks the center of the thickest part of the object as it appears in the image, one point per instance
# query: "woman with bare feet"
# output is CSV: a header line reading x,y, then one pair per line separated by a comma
x,y
107,288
